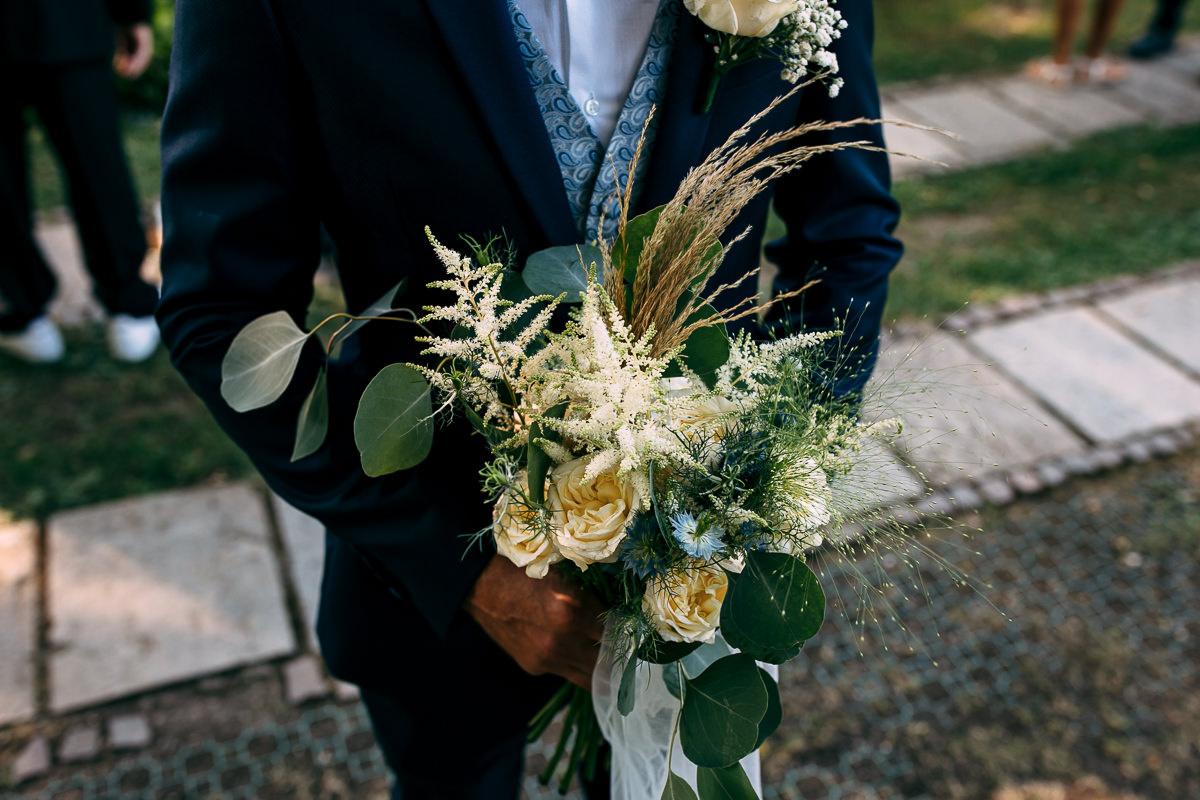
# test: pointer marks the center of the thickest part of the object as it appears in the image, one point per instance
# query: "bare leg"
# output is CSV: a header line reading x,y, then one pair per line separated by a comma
x,y
1102,26
1066,26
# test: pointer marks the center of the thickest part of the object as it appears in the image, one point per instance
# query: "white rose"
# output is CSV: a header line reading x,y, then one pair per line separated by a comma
x,y
518,540
592,517
686,607
741,17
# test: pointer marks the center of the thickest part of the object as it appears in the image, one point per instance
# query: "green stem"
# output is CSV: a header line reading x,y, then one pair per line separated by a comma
x,y
584,730
542,720
568,725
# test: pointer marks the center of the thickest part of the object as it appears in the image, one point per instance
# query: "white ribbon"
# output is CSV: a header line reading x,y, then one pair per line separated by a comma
x,y
642,741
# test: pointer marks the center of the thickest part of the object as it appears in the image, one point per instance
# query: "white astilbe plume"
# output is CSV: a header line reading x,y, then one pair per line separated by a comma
x,y
490,341
753,366
617,406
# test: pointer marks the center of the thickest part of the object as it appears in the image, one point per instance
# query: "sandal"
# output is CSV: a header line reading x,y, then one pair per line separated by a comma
x,y
1049,72
1103,70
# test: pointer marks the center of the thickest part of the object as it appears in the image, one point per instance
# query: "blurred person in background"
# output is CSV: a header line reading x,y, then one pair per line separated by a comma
x,y
57,58
1061,67
1159,38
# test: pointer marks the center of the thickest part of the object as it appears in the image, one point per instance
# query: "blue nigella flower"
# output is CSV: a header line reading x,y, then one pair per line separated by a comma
x,y
697,542
638,551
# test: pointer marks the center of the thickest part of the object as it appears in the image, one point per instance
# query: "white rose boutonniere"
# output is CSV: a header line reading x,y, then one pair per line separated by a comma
x,y
798,33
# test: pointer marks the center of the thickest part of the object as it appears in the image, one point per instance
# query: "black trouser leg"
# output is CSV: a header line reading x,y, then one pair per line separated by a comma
x,y
26,282
428,762
1168,16
77,105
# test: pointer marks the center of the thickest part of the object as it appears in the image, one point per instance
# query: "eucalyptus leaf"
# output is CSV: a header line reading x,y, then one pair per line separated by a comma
x,y
657,651
701,659
706,351
561,270
677,789
774,607
627,249
728,783
774,716
393,428
627,691
673,678
313,423
721,712
537,463
261,361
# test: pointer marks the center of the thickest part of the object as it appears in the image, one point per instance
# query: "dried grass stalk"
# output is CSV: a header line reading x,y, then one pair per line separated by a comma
x,y
677,255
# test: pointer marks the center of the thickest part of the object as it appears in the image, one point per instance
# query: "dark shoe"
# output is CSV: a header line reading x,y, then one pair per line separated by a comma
x,y
1154,44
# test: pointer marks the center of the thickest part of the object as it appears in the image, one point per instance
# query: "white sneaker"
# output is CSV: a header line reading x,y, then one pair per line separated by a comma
x,y
132,339
40,343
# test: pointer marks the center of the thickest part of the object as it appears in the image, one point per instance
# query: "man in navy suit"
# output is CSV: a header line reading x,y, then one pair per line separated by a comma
x,y
375,120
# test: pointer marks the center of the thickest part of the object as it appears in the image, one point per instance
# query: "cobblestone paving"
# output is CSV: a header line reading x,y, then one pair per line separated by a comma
x,y
1096,675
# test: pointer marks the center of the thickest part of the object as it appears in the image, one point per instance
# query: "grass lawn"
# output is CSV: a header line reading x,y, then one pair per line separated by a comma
x,y
1121,202
920,39
90,429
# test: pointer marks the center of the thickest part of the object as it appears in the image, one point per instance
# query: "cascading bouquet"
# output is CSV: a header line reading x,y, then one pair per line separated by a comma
x,y
679,473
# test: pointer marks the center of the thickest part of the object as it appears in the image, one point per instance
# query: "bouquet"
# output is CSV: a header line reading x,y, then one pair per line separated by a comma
x,y
680,473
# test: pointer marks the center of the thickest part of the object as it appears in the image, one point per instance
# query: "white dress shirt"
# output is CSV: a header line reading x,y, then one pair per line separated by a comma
x,y
597,47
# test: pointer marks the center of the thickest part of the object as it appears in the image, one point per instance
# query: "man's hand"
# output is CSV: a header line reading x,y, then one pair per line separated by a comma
x,y
546,625
135,49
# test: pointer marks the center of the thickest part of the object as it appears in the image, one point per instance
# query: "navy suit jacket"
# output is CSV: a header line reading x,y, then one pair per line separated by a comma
x,y
376,119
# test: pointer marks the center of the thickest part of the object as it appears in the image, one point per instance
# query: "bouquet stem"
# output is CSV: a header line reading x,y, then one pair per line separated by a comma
x,y
579,724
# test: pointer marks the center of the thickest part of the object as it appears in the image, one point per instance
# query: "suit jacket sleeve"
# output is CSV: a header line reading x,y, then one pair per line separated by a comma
x,y
129,12
840,214
242,240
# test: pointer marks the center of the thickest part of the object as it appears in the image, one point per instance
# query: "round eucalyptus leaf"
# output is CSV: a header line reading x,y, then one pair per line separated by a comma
x,y
261,361
313,422
721,712
728,783
775,605
677,789
658,651
393,428
706,351
770,721
673,678
561,270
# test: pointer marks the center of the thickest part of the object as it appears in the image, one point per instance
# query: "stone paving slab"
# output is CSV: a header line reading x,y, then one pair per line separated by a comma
x,y
74,304
1100,380
962,417
304,540
1072,110
1170,98
1167,315
18,619
913,141
154,590
1185,60
988,129
879,479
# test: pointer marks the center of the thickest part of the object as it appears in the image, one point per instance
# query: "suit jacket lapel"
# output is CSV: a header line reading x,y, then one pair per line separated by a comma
x,y
478,32
679,143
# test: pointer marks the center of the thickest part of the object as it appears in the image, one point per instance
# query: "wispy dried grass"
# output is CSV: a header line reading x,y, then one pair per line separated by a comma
x,y
671,292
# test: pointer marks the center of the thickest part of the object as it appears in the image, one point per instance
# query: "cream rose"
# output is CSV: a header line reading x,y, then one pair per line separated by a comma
x,y
755,18
686,607
518,540
592,517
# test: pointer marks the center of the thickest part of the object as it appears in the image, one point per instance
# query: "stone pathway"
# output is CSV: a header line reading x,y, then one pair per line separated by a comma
x,y
1090,692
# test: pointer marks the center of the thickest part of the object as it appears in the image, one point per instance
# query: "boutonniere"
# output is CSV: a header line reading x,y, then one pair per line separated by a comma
x,y
796,32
